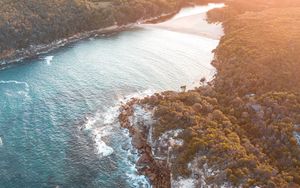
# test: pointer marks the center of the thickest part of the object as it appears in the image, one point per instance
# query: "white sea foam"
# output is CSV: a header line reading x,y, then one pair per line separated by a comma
x,y
297,136
132,174
48,59
93,124
14,82
101,124
89,123
23,92
1,142
138,181
133,177
111,115
102,149
137,95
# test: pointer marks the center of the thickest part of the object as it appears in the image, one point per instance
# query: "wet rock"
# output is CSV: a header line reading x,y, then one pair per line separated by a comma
x,y
156,170
138,142
144,159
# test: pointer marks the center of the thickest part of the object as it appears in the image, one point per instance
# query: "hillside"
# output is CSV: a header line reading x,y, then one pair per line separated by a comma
x,y
29,27
242,129
25,23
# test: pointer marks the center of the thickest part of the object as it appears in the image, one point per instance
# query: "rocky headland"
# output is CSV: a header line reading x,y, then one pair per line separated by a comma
x,y
156,170
242,128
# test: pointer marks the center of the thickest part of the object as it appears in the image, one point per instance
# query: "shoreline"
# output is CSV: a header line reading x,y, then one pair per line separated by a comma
x,y
231,106
19,55
157,171
36,50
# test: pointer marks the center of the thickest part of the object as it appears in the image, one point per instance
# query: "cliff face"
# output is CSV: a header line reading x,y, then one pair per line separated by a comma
x,y
31,22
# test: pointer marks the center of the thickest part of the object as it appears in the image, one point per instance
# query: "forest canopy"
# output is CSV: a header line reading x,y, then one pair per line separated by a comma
x,y
244,124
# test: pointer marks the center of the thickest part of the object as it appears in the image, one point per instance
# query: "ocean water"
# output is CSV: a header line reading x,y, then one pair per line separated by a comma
x,y
58,112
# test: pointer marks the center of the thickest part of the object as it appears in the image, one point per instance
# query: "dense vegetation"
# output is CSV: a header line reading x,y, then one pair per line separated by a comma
x,y
25,23
30,22
243,125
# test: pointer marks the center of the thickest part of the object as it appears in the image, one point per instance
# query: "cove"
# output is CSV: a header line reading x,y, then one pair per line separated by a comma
x,y
58,112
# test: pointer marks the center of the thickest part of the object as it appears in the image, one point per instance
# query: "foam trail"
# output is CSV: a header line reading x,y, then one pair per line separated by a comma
x,y
14,82
133,176
103,149
297,136
1,142
138,95
104,124
90,122
107,120
98,133
48,59
26,85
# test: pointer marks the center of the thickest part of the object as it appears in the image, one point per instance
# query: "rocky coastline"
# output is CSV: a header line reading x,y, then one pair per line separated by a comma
x,y
156,170
240,130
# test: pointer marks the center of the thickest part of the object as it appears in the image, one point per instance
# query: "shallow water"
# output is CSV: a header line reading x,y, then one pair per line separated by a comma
x,y
58,113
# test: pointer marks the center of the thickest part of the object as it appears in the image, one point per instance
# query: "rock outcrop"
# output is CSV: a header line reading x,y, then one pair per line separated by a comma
x,y
156,170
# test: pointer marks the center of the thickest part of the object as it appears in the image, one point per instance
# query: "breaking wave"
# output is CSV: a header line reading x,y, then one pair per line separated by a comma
x,y
106,125
48,59
15,82
19,91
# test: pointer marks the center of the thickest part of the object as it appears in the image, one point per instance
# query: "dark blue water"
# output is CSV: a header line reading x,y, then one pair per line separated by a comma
x,y
58,113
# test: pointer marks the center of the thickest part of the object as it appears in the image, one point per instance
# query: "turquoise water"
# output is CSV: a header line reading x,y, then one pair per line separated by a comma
x,y
58,112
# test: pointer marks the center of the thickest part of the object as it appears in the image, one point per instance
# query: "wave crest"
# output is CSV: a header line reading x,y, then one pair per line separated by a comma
x,y
48,59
